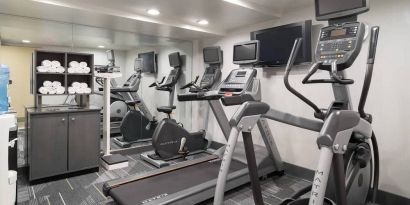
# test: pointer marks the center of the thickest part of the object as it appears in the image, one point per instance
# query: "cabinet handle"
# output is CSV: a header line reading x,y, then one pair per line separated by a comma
x,y
62,119
72,119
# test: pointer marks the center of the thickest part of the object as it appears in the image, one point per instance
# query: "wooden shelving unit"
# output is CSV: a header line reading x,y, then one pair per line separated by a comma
x,y
65,78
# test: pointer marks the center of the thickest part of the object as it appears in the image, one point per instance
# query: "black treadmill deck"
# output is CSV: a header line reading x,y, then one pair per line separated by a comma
x,y
153,188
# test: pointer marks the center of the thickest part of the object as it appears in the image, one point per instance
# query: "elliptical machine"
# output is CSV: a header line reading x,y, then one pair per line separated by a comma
x,y
137,125
170,140
348,169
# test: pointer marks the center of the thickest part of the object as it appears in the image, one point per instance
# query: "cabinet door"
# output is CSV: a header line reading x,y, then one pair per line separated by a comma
x,y
83,140
48,140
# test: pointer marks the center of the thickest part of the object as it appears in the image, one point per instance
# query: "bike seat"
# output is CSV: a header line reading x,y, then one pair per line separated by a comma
x,y
166,109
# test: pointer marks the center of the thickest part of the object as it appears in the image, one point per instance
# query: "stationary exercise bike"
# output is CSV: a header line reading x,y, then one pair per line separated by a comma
x,y
170,139
348,169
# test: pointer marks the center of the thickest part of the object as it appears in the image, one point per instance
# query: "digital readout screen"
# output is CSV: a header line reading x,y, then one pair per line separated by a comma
x,y
338,32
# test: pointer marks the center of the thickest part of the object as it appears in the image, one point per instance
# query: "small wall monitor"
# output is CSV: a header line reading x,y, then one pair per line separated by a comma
x,y
212,55
110,55
330,9
246,52
149,62
175,60
276,43
138,64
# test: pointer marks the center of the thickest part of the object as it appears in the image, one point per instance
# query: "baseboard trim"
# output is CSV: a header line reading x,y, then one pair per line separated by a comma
x,y
383,197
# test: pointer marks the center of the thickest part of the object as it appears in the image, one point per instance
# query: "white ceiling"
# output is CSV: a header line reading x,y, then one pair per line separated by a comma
x,y
117,22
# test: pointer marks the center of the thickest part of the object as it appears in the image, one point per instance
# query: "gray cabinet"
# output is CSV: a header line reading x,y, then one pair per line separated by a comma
x,y
49,149
62,141
83,145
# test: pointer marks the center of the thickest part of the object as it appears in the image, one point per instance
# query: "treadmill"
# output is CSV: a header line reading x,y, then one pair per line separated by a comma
x,y
194,181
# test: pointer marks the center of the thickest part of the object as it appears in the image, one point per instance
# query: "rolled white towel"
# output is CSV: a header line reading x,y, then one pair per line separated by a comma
x,y
60,90
43,90
75,84
70,70
83,85
41,69
87,70
55,63
83,64
78,70
60,69
71,90
56,84
53,70
46,63
87,90
73,64
52,92
47,83
79,90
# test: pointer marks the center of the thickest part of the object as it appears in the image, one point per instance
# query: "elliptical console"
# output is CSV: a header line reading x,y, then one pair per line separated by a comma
x,y
340,43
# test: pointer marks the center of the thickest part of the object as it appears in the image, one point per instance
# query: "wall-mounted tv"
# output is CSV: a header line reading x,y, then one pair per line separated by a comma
x,y
277,42
213,55
149,62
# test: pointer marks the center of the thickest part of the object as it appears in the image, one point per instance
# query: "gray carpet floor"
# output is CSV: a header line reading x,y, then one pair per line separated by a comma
x,y
86,189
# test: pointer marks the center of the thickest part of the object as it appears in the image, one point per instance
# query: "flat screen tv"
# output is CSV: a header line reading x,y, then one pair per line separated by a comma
x,y
149,62
175,60
212,55
277,42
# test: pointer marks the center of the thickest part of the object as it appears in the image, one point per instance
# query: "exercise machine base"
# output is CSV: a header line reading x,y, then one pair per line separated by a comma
x,y
114,161
124,144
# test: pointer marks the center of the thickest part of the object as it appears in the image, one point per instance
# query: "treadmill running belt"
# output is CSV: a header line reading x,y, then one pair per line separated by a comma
x,y
148,189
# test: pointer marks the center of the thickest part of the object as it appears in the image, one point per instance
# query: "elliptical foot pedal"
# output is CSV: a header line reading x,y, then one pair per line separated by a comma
x,y
114,161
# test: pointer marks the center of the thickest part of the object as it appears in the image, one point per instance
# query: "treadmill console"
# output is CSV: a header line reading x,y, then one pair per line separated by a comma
x,y
339,43
238,81
173,77
133,81
211,76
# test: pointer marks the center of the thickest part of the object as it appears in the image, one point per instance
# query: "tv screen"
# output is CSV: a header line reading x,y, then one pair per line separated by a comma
x,y
212,55
327,9
175,60
246,52
276,43
149,64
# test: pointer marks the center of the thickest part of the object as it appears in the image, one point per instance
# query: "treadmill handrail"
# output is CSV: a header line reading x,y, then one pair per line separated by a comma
x,y
290,119
122,90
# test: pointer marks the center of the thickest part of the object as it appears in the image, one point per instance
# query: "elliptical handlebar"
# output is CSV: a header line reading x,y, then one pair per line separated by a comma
x,y
191,84
157,84
369,72
318,113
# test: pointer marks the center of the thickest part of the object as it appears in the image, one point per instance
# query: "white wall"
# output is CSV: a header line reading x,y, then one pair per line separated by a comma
x,y
388,98
154,98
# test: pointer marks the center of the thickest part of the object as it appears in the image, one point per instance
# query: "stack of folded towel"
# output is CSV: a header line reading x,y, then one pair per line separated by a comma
x,y
78,67
79,88
48,66
52,88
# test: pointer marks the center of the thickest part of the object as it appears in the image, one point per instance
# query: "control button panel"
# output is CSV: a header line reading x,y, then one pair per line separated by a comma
x,y
237,81
339,43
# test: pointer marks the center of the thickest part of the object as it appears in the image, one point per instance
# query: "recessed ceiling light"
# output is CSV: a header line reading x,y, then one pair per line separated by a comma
x,y
101,46
153,12
203,22
26,41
